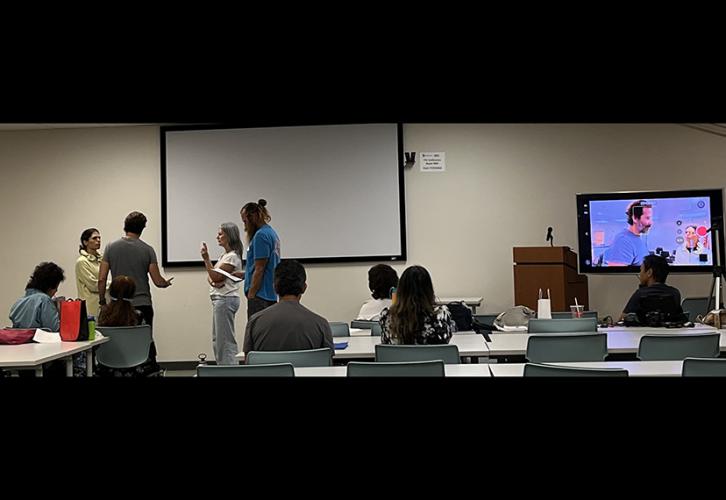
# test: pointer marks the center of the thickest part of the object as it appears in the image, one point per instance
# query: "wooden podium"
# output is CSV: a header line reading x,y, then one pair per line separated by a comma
x,y
548,267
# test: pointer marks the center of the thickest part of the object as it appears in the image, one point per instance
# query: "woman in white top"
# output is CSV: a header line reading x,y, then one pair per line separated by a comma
x,y
381,279
224,292
87,267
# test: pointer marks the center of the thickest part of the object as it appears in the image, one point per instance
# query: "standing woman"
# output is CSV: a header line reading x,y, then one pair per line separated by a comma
x,y
224,292
87,267
263,256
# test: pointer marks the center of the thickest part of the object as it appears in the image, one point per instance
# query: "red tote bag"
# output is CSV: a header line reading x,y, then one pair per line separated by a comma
x,y
73,321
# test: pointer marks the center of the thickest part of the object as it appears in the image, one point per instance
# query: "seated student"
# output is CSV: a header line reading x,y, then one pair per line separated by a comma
x,y
36,309
287,325
413,318
121,312
381,278
653,292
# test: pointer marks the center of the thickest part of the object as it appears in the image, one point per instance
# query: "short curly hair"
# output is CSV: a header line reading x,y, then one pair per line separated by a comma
x,y
46,276
381,278
135,223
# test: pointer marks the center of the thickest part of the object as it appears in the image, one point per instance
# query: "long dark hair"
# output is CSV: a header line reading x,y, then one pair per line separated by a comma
x,y
120,312
258,216
85,236
414,303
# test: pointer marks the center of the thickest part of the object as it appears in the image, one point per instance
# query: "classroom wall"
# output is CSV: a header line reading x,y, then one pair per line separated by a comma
x,y
503,185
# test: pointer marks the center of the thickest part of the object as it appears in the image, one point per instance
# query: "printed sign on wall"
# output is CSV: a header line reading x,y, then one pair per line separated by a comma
x,y
433,162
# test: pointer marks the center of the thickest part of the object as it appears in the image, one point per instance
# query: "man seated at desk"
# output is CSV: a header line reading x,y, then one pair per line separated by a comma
x,y
653,294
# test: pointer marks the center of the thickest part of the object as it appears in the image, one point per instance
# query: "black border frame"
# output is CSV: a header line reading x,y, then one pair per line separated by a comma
x,y
310,260
583,226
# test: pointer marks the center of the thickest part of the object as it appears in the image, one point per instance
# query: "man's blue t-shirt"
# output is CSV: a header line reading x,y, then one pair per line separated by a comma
x,y
265,244
627,248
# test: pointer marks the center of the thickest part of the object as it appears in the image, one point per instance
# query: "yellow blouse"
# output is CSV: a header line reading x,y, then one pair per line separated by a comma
x,y
87,269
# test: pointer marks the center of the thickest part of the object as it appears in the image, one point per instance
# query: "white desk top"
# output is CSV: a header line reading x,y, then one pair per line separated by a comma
x,y
480,370
620,339
34,354
635,368
469,301
469,344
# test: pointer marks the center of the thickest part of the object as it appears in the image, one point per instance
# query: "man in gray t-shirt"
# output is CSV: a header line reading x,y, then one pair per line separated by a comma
x,y
288,325
129,256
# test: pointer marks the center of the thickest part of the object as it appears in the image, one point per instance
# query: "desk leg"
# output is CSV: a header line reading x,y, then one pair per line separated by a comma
x,y
69,366
89,363
473,308
39,371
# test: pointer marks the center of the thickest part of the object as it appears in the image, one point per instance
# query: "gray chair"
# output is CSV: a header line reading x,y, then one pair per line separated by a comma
x,y
704,367
562,325
339,329
486,319
397,369
678,346
448,353
298,359
568,315
272,370
376,329
695,306
128,347
536,370
570,347
362,324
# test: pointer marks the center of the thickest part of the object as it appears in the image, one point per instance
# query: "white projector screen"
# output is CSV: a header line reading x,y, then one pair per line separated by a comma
x,y
335,192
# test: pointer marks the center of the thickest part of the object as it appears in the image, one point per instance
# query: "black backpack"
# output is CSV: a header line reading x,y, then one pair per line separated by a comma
x,y
461,315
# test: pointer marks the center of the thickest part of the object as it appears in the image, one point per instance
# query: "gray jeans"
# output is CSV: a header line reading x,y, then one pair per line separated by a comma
x,y
257,304
225,345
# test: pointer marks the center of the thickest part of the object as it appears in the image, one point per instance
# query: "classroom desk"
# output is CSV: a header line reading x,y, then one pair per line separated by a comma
x,y
635,368
472,302
470,345
341,371
620,339
33,355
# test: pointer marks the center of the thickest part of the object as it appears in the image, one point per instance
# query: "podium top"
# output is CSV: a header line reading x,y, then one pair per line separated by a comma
x,y
545,255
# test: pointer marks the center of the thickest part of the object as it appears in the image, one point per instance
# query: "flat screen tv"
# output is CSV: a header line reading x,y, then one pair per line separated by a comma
x,y
617,230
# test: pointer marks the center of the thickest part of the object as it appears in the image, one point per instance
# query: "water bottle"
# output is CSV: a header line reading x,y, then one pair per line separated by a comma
x,y
91,327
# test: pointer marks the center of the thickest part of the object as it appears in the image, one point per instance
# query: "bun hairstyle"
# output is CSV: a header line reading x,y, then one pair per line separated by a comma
x,y
257,212
635,210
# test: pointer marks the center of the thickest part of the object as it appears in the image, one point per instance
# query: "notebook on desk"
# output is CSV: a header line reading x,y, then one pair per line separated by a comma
x,y
340,345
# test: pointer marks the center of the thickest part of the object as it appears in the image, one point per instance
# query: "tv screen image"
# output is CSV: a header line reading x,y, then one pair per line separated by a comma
x,y
617,230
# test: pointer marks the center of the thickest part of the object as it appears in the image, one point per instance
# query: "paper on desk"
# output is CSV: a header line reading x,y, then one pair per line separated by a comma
x,y
225,273
359,332
43,337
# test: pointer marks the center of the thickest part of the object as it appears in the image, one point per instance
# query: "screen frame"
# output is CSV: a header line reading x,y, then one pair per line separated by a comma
x,y
585,241
401,257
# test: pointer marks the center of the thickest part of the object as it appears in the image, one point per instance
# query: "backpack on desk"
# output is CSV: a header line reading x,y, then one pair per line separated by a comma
x,y
461,315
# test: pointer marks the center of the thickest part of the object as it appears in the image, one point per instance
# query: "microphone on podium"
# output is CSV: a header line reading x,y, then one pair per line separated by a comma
x,y
550,238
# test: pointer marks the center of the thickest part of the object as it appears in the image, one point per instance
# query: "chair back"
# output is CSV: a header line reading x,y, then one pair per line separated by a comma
x,y
298,359
448,353
679,346
128,347
571,347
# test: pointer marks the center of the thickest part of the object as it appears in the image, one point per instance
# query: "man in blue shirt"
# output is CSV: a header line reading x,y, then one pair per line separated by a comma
x,y
628,248
263,256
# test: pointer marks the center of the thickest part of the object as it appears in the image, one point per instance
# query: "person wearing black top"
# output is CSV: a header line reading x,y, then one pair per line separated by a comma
x,y
653,293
